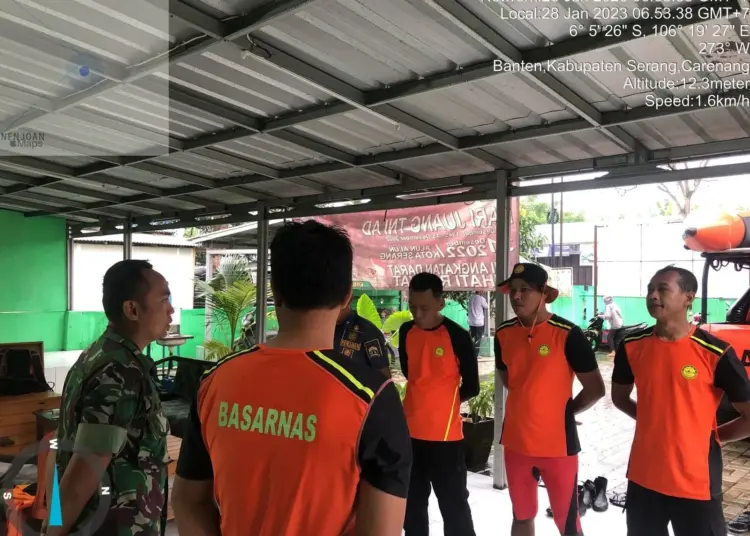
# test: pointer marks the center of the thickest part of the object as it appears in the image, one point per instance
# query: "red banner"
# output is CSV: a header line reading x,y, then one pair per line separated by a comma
x,y
455,241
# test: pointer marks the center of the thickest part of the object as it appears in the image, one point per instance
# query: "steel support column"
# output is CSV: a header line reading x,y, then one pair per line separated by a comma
x,y
69,266
261,283
127,241
499,477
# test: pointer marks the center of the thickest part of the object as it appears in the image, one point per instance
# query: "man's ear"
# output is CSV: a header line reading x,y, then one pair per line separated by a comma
x,y
348,300
130,310
690,297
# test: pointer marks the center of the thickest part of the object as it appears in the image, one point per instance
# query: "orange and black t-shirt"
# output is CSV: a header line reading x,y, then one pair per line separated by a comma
x,y
679,386
287,436
442,372
540,366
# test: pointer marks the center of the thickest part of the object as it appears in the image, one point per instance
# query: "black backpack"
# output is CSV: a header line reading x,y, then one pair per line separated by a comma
x,y
21,372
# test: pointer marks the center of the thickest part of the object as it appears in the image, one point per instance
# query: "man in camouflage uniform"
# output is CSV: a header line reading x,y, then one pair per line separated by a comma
x,y
111,411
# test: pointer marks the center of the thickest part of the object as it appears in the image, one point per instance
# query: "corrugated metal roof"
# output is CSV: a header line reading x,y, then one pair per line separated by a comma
x,y
156,109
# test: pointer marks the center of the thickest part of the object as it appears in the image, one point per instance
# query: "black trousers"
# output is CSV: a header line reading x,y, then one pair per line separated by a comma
x,y
649,513
440,466
476,332
613,333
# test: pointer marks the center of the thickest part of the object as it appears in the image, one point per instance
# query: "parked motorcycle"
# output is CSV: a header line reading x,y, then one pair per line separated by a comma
x,y
594,331
247,337
627,331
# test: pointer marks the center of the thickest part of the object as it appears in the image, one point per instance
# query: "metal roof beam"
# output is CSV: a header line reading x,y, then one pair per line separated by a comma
x,y
479,30
486,69
345,93
467,143
620,169
231,30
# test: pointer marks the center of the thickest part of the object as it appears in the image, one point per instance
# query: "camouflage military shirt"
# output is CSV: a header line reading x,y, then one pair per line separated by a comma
x,y
110,403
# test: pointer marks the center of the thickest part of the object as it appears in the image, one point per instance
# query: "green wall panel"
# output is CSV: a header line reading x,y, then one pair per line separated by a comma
x,y
33,299
34,257
45,326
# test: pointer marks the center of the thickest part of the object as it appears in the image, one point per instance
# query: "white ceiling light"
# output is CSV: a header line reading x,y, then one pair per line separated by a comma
x,y
436,193
338,204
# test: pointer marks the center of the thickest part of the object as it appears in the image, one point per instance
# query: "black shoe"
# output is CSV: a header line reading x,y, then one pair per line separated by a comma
x,y
600,503
586,494
584,499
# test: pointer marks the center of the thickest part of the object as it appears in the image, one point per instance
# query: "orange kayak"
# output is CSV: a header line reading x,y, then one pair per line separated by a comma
x,y
730,231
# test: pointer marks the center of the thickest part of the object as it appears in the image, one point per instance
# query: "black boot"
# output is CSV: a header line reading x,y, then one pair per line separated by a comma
x,y
584,499
600,502
586,496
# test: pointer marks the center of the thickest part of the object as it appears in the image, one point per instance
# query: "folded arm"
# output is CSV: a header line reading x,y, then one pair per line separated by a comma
x,y
193,494
582,360
623,382
730,377
385,460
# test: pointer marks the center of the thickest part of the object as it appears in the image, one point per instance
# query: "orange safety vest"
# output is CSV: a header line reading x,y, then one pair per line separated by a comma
x,y
25,505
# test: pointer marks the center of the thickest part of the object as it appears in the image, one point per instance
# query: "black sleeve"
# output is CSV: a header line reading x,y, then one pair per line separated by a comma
x,y
374,347
385,447
402,357
194,462
622,373
578,352
499,363
463,348
730,376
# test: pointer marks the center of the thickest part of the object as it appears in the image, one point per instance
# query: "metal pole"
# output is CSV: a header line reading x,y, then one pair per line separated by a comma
x,y
127,241
207,304
552,230
262,277
596,266
562,220
69,267
499,477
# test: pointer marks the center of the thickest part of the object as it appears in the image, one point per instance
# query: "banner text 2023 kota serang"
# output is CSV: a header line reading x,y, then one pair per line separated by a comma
x,y
455,241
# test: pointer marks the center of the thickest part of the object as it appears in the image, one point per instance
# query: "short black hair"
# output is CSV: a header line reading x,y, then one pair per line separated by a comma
x,y
425,281
687,282
311,266
123,281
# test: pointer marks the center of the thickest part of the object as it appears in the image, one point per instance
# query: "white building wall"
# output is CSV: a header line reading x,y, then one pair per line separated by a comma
x,y
91,261
629,254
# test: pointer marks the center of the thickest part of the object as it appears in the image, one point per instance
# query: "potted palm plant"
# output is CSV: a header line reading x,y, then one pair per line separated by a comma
x,y
479,426
229,295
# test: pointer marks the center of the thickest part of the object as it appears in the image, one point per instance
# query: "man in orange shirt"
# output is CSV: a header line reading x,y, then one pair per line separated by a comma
x,y
681,373
437,359
537,355
289,438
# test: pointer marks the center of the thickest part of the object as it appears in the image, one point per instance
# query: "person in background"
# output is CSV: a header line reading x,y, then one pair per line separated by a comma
x,y
110,410
288,438
681,372
437,359
361,340
478,307
613,316
537,356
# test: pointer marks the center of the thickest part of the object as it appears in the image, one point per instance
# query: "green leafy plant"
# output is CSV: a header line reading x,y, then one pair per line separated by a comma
x,y
393,323
367,310
228,295
482,406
